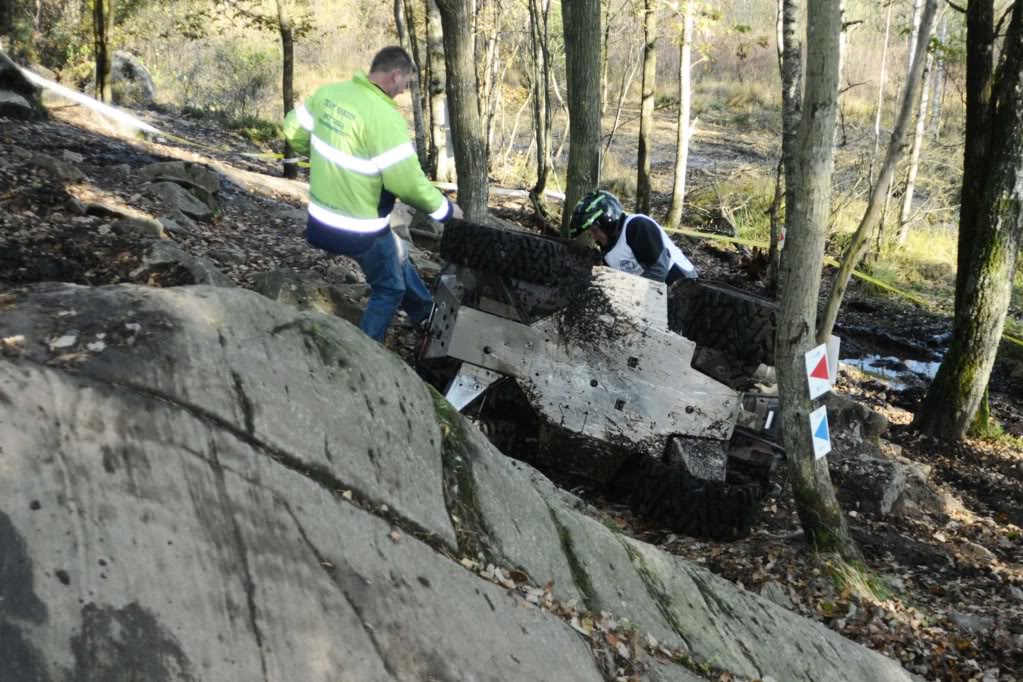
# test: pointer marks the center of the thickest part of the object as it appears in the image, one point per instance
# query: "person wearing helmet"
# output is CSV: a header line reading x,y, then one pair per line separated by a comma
x,y
632,243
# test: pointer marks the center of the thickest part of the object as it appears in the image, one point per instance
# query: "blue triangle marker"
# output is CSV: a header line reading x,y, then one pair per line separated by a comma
x,y
822,430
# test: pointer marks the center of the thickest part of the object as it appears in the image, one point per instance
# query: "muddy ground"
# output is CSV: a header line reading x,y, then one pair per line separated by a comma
x,y
948,598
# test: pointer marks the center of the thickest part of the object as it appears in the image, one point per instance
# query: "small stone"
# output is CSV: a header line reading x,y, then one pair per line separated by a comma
x,y
65,341
979,552
77,207
73,157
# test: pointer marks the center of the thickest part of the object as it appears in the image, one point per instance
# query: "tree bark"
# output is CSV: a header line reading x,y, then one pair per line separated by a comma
x,y
102,31
287,79
878,193
646,119
581,19
914,156
440,159
685,99
463,93
405,40
819,513
980,64
958,389
791,66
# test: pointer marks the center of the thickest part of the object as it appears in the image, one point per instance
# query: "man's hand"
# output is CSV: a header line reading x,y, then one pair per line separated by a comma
x,y
456,211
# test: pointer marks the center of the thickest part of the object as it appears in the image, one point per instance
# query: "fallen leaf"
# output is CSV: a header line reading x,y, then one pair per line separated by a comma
x,y
347,494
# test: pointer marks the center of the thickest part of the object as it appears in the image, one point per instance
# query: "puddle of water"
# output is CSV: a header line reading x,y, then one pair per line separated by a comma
x,y
895,371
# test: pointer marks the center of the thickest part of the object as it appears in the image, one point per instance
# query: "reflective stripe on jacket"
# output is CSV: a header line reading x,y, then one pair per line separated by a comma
x,y
361,157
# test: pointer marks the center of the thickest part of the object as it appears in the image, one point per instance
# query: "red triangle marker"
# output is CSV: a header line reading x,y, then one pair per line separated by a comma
x,y
821,370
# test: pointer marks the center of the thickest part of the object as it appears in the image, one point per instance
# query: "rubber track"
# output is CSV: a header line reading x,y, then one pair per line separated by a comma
x,y
717,316
677,501
520,255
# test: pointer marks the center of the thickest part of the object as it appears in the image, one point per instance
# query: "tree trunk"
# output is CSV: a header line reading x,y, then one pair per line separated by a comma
x,y
791,65
980,64
958,389
604,47
822,520
538,21
470,147
938,88
405,40
914,35
581,19
880,94
878,193
646,119
422,85
287,79
440,159
102,31
914,156
685,98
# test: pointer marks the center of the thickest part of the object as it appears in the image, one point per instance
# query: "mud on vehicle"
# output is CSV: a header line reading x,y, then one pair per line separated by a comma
x,y
602,374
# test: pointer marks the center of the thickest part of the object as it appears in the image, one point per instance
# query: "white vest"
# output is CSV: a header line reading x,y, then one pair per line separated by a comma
x,y
621,257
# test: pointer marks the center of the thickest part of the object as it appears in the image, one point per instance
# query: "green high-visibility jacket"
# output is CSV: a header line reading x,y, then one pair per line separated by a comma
x,y
361,157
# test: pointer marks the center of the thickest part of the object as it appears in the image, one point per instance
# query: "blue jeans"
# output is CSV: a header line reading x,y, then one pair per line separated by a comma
x,y
394,282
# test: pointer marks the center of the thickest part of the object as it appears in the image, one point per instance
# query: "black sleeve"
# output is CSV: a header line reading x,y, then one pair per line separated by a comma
x,y
644,238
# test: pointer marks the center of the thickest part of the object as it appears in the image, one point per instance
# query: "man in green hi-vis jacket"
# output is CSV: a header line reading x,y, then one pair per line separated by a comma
x,y
361,160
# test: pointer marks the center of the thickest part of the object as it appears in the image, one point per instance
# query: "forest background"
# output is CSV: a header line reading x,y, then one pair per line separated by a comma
x,y
220,60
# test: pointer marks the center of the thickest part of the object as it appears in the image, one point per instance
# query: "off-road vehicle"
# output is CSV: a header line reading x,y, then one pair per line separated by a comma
x,y
608,375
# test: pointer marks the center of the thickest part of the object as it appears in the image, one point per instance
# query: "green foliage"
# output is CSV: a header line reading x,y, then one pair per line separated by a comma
x,y
232,80
257,129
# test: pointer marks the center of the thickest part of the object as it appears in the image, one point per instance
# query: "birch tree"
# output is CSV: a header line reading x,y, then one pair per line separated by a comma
x,y
819,513
685,98
646,120
918,140
959,387
440,158
790,62
881,80
896,145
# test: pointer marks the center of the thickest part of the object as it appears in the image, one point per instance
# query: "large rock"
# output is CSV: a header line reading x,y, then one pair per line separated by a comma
x,y
58,168
201,484
131,83
19,97
308,291
166,264
192,173
678,603
179,198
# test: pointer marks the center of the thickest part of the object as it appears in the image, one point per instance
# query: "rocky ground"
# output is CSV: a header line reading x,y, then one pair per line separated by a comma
x,y
944,589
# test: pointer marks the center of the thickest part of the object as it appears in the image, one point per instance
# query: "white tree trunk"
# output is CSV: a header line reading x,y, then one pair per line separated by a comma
x,y
685,99
914,157
878,193
881,79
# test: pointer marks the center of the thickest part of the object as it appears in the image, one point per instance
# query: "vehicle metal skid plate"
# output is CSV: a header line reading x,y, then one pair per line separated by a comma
x,y
623,378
